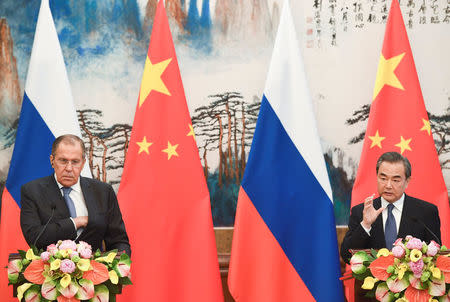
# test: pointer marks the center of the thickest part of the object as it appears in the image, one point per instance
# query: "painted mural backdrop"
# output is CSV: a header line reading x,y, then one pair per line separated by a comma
x,y
223,49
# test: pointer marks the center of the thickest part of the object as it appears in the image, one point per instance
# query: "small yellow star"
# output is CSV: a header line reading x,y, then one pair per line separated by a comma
x,y
191,131
151,79
404,144
426,126
376,140
386,75
143,146
171,150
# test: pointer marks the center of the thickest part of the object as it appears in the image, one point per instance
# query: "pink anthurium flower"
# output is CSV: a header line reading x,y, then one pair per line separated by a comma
x,y
86,290
383,294
101,293
69,291
436,287
49,291
396,285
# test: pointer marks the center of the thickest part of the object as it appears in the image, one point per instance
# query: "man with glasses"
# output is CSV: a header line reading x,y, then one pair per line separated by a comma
x,y
401,215
66,205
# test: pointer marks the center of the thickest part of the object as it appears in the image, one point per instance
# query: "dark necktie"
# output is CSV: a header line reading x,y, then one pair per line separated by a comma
x,y
390,229
69,201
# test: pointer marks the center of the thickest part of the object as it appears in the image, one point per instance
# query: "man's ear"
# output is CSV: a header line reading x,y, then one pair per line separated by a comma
x,y
83,162
51,160
407,182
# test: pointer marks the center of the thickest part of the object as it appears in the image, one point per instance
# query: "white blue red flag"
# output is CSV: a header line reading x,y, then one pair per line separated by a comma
x,y
284,244
47,112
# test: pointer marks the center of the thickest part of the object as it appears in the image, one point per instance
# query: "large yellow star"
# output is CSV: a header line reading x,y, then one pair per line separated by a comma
x,y
143,146
151,79
426,126
404,144
376,140
171,150
191,131
386,75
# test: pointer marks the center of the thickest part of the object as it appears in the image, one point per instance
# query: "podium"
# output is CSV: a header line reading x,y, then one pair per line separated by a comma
x,y
353,290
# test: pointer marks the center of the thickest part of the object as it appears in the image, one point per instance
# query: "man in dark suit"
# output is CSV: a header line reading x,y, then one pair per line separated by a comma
x,y
401,215
75,207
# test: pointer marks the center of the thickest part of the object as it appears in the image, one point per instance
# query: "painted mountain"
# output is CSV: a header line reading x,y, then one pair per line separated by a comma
x,y
104,44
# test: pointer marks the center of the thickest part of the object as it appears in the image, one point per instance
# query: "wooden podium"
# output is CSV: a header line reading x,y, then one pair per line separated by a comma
x,y
354,292
224,262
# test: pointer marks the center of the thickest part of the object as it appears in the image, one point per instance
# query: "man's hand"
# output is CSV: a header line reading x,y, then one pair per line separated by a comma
x,y
80,222
369,212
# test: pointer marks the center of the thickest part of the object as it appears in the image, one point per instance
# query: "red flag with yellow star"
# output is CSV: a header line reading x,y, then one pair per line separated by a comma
x,y
398,121
163,194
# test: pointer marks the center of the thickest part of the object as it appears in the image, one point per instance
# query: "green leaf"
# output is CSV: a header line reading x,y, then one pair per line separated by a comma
x,y
35,250
124,257
370,294
361,276
373,253
22,254
21,279
125,281
425,276
113,288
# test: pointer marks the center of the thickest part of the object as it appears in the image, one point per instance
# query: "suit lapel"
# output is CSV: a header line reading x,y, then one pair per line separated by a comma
x,y
53,194
88,195
377,231
406,213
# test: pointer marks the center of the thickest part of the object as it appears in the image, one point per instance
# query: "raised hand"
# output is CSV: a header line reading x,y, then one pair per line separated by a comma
x,y
370,214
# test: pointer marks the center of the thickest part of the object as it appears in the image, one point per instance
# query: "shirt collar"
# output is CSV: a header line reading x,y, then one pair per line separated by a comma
x,y
76,187
397,204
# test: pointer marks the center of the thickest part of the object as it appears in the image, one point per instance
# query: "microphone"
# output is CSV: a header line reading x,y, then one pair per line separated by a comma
x,y
415,219
45,226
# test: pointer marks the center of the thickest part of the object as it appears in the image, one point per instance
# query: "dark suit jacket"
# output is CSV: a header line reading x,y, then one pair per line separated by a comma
x,y
415,213
39,196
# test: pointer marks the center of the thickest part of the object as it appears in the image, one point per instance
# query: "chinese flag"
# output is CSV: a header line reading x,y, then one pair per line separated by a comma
x,y
163,194
399,122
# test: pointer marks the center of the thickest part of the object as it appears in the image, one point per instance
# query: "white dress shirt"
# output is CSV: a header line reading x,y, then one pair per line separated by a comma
x,y
78,200
396,211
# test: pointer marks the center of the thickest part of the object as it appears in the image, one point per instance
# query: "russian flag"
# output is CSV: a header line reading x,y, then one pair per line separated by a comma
x,y
47,112
284,244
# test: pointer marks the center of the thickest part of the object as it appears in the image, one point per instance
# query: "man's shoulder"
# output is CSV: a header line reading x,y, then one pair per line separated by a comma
x,y
94,182
38,182
358,207
420,203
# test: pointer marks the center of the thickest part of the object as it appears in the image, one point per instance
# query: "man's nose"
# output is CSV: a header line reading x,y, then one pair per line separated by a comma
x,y
389,183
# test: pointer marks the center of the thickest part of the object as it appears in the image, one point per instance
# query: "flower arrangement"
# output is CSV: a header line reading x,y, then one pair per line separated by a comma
x,y
413,271
68,271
